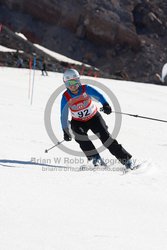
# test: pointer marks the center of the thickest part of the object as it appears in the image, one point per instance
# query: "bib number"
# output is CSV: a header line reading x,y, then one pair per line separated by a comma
x,y
83,113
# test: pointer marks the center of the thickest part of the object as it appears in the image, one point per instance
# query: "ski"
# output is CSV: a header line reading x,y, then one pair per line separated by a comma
x,y
136,167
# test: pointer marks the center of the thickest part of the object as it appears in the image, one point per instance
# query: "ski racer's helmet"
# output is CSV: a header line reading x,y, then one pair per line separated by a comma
x,y
71,77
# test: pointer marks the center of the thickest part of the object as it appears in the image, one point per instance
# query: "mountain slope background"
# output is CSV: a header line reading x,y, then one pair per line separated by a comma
x,y
126,39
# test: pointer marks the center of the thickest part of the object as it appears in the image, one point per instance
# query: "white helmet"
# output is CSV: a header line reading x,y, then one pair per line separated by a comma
x,y
71,74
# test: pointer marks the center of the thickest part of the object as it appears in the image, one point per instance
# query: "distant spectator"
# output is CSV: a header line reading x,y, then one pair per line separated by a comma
x,y
43,69
20,63
0,27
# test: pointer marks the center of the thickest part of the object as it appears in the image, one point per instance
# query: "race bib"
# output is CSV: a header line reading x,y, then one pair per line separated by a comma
x,y
85,114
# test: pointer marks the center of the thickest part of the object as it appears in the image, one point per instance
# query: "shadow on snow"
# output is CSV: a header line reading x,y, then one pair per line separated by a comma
x,y
5,162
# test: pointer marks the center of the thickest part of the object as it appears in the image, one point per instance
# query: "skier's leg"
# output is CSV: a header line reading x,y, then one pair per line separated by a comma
x,y
81,137
99,127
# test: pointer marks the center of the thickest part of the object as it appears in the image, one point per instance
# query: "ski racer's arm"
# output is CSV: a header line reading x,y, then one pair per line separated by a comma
x,y
99,97
64,112
64,119
96,94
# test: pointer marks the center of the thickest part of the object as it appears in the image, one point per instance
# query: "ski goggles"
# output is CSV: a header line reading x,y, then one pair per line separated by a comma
x,y
72,82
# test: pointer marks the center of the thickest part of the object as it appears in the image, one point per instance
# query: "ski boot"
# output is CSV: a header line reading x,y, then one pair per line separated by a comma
x,y
130,164
97,161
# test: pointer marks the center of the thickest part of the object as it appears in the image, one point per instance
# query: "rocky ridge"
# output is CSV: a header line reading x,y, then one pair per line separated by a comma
x,y
122,38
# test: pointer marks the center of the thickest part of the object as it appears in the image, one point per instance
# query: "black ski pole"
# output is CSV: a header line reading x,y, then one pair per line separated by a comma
x,y
140,116
58,143
137,116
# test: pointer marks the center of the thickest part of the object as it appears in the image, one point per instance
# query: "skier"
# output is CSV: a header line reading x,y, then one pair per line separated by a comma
x,y
43,68
85,116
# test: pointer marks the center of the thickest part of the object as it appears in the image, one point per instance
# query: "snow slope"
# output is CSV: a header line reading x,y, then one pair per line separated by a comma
x,y
46,208
5,49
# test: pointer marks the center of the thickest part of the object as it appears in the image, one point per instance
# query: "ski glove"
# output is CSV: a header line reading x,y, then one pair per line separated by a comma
x,y
67,136
107,109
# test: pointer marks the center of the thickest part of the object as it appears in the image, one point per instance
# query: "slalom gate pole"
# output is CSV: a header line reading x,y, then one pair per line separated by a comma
x,y
58,143
29,87
30,70
32,90
137,116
